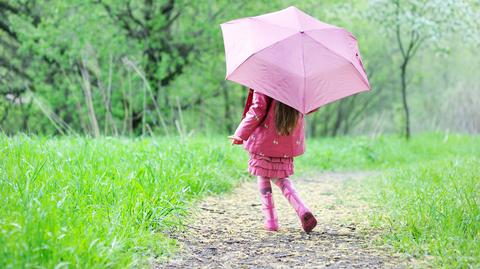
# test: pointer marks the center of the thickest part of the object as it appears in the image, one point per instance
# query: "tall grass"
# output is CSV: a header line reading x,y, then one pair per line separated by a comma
x,y
384,152
433,209
96,203
86,203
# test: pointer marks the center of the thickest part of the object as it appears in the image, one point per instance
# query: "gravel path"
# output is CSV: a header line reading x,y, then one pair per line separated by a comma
x,y
226,231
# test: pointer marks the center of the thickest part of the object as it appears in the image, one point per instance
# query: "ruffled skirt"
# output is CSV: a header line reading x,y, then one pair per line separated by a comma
x,y
272,167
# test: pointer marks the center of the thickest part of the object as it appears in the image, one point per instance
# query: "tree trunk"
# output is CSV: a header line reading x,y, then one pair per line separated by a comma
x,y
201,124
88,100
339,119
404,98
26,116
227,112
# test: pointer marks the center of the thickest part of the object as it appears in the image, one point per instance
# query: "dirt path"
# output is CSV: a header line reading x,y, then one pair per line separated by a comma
x,y
226,231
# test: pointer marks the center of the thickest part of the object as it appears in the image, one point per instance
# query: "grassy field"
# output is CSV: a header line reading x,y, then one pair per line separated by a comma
x,y
101,203
80,202
433,209
384,152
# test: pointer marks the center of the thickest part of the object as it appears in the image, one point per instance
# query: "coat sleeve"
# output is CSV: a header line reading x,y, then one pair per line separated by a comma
x,y
254,116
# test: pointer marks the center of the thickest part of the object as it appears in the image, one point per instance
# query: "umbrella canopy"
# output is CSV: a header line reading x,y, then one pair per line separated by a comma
x,y
294,58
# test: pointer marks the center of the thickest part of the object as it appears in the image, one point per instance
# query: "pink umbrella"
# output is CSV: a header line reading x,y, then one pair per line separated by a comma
x,y
294,58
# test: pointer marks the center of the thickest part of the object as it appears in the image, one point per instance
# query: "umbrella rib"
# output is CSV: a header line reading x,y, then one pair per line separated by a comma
x,y
268,23
320,43
297,16
253,54
341,56
278,25
304,74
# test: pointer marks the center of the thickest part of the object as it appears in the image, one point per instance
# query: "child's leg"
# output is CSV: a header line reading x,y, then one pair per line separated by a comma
x,y
306,217
291,194
264,185
268,207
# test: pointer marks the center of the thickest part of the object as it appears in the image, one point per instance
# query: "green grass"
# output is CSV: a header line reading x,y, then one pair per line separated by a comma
x,y
97,203
384,152
433,209
101,203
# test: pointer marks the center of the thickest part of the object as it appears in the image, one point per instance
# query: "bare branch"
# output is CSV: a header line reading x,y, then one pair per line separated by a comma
x,y
418,45
398,31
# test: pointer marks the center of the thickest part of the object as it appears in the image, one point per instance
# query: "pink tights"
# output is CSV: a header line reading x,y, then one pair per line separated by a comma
x,y
268,207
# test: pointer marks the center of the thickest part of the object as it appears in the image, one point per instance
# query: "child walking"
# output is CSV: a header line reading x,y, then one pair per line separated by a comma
x,y
273,133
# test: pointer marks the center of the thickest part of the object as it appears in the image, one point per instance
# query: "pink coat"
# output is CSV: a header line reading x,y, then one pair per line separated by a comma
x,y
258,130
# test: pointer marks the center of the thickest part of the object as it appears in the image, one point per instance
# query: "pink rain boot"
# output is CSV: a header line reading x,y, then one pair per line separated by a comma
x,y
306,217
268,207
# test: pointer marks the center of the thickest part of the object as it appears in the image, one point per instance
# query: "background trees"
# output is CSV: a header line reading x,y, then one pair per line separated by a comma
x,y
131,67
424,24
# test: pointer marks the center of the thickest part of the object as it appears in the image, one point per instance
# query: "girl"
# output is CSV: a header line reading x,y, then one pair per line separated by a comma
x,y
273,133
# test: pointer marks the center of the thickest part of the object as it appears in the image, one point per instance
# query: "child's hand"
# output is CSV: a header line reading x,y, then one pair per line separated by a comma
x,y
236,140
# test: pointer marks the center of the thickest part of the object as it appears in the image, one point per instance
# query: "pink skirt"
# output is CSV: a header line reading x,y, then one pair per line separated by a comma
x,y
273,167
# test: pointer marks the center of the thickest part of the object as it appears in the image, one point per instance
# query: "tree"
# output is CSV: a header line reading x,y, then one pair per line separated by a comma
x,y
423,24
62,49
16,63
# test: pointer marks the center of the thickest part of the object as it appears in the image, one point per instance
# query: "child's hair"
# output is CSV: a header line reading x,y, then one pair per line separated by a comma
x,y
286,118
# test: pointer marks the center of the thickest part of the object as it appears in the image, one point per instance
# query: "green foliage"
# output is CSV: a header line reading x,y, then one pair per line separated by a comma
x,y
433,209
416,25
86,203
385,152
430,21
53,50
107,202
